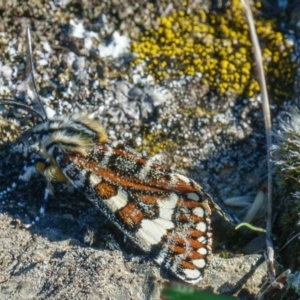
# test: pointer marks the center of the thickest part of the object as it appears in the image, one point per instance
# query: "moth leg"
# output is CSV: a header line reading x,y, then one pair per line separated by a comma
x,y
50,170
41,165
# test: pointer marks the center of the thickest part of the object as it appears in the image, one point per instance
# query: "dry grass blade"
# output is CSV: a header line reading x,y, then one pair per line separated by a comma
x,y
277,284
267,119
30,76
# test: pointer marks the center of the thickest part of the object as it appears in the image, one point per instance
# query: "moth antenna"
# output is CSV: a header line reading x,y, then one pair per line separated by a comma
x,y
22,105
30,76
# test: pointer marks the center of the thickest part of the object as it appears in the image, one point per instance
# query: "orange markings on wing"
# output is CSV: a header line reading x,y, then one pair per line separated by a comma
x,y
187,265
151,199
189,218
195,255
131,215
185,241
160,182
183,202
193,233
184,187
152,183
177,249
190,254
106,190
110,175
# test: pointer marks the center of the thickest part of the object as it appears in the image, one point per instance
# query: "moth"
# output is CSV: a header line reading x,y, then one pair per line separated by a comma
x,y
164,213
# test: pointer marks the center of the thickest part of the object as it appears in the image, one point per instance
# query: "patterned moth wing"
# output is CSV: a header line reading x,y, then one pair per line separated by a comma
x,y
162,212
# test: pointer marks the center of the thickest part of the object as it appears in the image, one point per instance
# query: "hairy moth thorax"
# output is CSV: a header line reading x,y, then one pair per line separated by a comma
x,y
72,133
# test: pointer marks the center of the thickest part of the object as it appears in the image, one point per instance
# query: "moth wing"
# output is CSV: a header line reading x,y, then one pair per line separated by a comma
x,y
162,212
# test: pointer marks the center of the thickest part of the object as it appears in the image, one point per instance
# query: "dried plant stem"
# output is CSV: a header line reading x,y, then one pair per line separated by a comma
x,y
277,284
267,119
30,75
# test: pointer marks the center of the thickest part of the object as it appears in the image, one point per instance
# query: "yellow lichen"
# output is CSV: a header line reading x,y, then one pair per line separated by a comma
x,y
217,47
156,142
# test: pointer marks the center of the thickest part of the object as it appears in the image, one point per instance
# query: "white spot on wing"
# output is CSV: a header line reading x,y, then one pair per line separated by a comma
x,y
166,206
183,178
117,202
145,170
199,263
106,158
152,231
199,211
94,180
201,226
173,180
202,251
192,275
202,239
